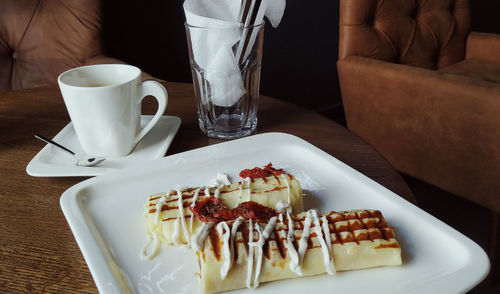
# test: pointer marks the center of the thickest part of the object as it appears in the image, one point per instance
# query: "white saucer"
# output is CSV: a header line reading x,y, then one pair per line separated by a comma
x,y
53,162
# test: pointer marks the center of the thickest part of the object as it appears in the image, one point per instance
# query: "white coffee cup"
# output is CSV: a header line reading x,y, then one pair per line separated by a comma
x,y
104,104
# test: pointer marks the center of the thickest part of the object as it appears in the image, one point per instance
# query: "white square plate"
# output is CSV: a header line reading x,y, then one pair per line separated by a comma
x,y
53,162
106,216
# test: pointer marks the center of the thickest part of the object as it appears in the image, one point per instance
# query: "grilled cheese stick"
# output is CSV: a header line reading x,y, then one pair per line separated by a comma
x,y
233,258
174,223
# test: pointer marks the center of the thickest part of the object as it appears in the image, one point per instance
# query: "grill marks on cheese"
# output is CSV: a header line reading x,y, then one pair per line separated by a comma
x,y
351,226
188,195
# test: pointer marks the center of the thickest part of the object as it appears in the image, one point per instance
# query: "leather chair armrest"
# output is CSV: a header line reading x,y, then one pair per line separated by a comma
x,y
102,59
483,46
438,127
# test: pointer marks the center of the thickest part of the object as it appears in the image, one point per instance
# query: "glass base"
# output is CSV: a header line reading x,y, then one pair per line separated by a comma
x,y
226,127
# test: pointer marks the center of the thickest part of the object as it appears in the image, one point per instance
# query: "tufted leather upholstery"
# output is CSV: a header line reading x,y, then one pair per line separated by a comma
x,y
428,34
424,91
39,39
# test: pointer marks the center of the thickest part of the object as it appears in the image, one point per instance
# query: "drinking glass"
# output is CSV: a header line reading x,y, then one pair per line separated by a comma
x,y
225,65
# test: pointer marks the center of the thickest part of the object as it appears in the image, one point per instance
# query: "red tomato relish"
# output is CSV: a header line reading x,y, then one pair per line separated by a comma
x,y
212,209
258,172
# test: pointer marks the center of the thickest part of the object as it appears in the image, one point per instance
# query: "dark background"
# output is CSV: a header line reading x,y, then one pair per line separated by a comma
x,y
299,63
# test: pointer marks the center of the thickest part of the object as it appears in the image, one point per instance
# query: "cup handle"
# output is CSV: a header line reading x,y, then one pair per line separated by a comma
x,y
160,94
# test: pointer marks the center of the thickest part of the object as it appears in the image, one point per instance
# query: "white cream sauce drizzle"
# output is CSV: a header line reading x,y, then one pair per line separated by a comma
x,y
305,236
330,264
224,179
223,230
201,235
250,255
323,234
234,230
249,181
263,236
207,192
294,257
159,205
285,179
324,248
156,246
217,191
282,206
220,179
195,197
154,238
180,204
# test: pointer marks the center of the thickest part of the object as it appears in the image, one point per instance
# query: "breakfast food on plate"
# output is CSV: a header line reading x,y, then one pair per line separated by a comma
x,y
169,217
244,252
256,231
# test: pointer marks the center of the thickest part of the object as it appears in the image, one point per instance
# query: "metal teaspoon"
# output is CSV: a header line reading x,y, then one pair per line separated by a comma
x,y
86,161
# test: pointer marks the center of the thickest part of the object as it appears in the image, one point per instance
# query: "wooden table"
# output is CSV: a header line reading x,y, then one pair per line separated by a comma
x,y
38,253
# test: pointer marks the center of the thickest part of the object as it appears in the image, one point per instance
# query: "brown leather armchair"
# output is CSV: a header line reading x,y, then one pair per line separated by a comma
x,y
424,91
39,39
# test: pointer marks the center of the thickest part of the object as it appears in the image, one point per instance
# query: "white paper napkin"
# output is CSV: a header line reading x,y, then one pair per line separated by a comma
x,y
213,50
